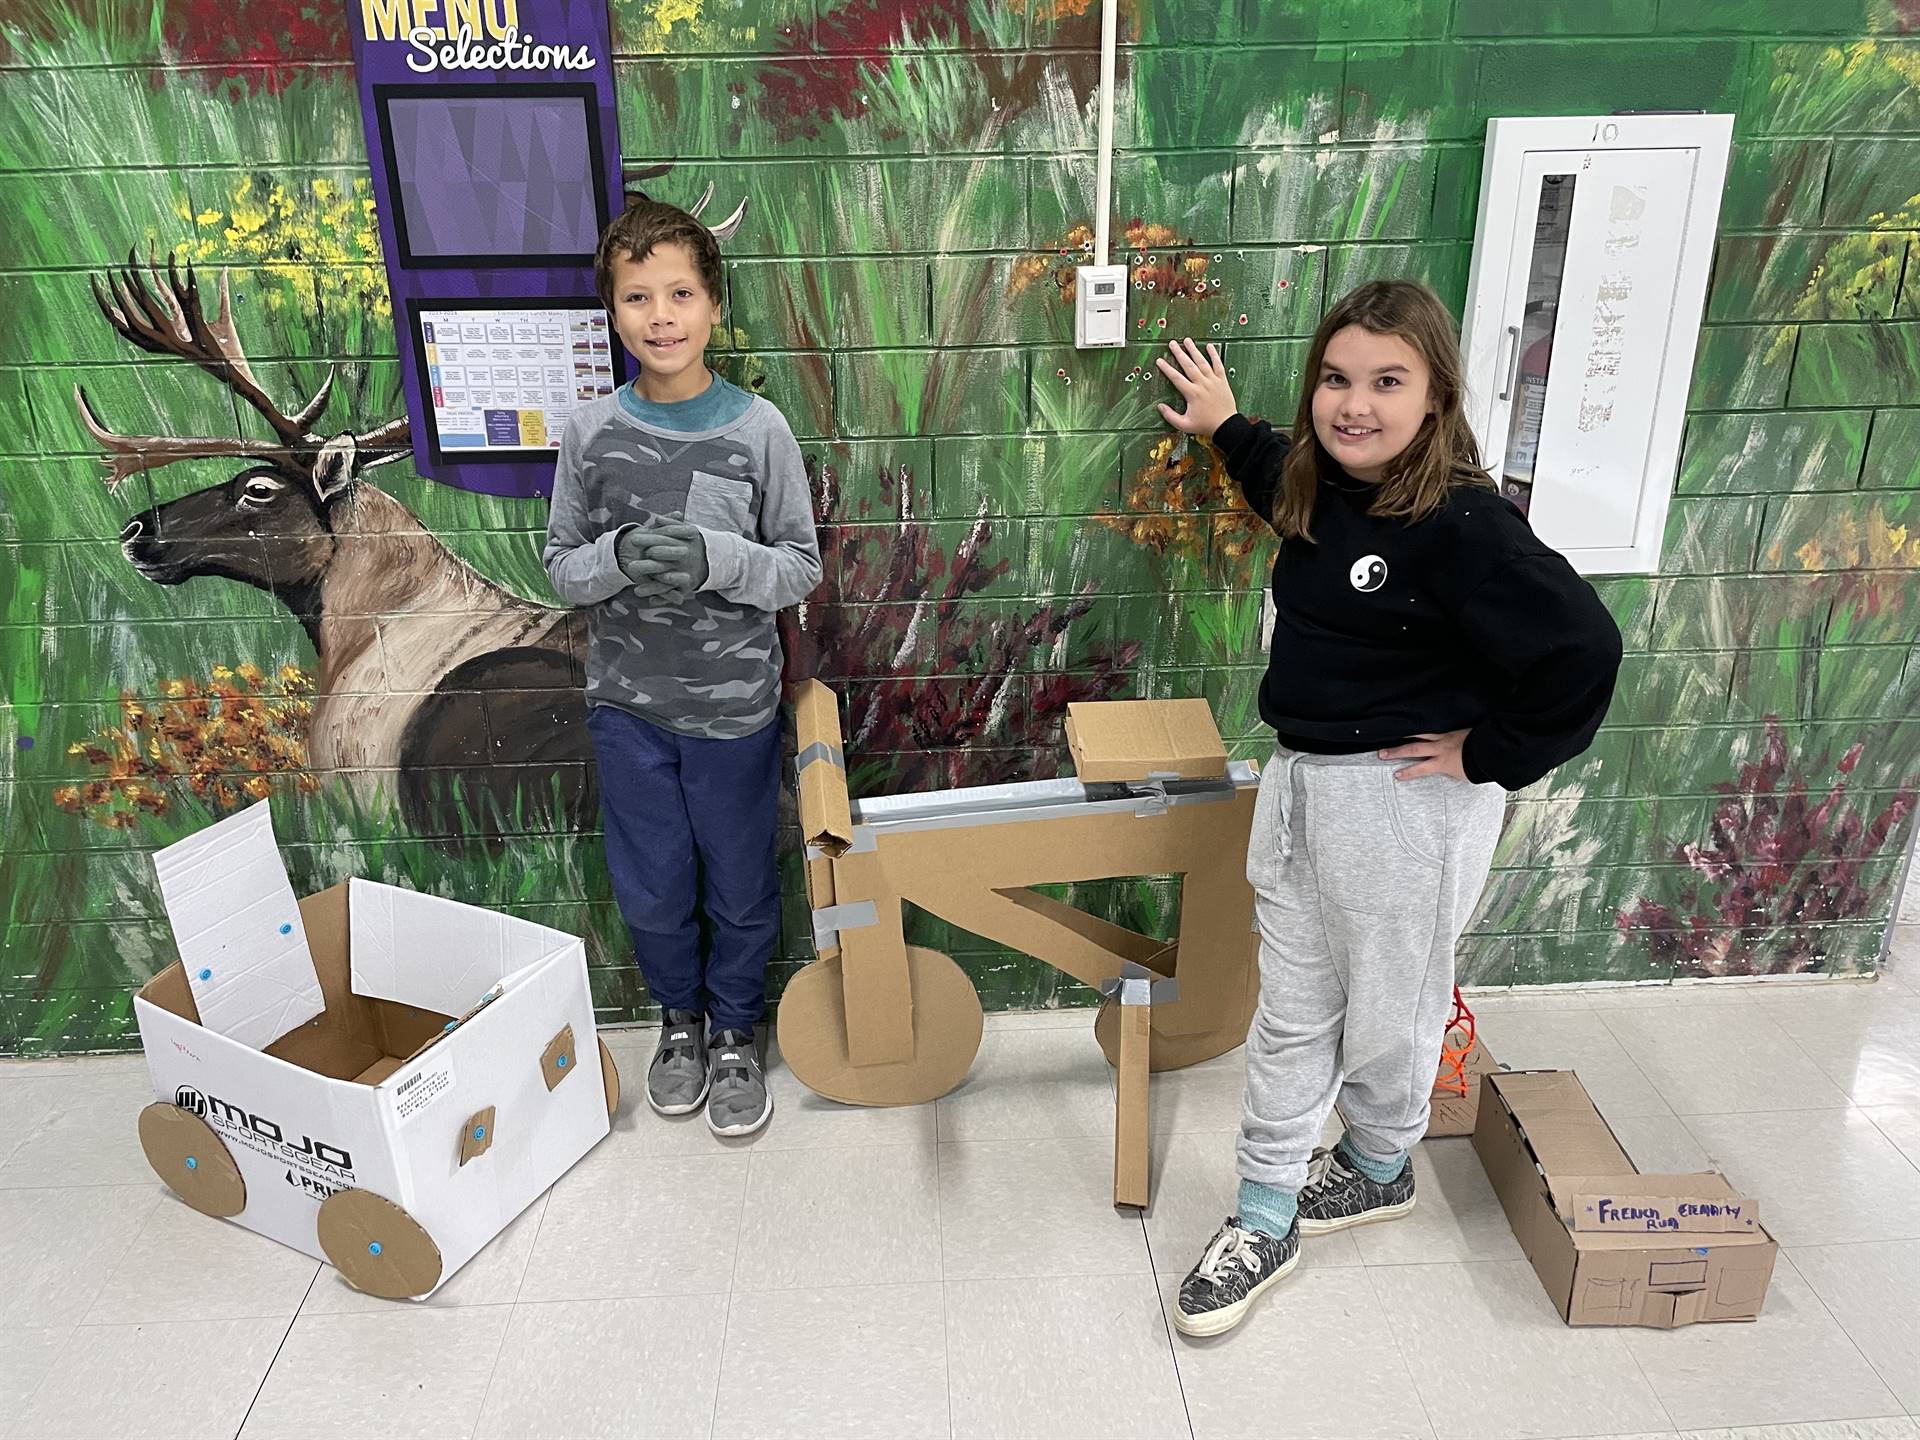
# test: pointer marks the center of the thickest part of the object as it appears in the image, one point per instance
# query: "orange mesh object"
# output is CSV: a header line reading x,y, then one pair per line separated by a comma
x,y
1454,1049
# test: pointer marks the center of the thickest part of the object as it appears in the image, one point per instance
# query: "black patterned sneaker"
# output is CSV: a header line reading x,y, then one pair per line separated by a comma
x,y
677,1078
1236,1270
740,1102
1337,1196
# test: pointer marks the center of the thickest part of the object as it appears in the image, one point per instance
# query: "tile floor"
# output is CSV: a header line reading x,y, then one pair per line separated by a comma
x,y
957,1270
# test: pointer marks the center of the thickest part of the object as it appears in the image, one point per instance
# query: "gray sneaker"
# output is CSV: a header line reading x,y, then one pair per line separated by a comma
x,y
1337,1195
739,1103
677,1079
1240,1265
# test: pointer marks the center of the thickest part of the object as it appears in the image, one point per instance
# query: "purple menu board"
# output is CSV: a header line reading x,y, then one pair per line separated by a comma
x,y
496,163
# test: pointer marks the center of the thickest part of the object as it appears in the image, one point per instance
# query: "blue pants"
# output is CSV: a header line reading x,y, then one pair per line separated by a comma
x,y
691,820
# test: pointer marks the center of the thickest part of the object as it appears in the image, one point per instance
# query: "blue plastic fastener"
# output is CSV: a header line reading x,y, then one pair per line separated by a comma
x,y
206,974
192,1164
286,929
479,1132
374,1248
561,1062
450,1025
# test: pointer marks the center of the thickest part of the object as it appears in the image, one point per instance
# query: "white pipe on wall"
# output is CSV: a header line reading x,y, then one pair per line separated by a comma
x,y
1103,176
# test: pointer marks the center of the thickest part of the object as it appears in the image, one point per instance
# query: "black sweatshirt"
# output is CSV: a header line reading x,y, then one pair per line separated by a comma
x,y
1461,621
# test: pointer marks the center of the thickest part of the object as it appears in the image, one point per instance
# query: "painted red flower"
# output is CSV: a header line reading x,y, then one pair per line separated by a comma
x,y
262,44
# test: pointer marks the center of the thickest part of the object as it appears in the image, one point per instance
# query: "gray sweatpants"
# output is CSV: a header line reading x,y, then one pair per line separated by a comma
x,y
1362,885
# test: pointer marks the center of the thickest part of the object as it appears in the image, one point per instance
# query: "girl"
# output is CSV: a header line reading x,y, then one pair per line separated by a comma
x,y
1428,653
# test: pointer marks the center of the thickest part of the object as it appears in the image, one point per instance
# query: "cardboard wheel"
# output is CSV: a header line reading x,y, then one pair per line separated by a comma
x,y
378,1246
946,1034
192,1160
1176,1052
609,1077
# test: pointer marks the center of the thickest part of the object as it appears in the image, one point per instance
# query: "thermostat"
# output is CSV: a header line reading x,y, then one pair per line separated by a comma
x,y
1099,306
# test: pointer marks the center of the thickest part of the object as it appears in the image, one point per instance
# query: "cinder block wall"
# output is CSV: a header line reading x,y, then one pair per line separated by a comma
x,y
1006,524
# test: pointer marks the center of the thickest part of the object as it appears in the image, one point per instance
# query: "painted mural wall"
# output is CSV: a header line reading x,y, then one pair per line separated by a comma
x,y
1006,525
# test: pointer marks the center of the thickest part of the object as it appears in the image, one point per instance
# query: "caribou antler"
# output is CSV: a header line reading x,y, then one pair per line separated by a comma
x,y
166,318
726,228
162,314
131,454
723,231
392,441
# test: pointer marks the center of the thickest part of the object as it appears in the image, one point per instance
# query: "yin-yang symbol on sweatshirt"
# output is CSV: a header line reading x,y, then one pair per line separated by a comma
x,y
1368,574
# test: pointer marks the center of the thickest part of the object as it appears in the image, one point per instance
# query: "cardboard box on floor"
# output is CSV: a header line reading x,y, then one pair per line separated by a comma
x,y
1453,1114
1613,1246
875,1021
375,1077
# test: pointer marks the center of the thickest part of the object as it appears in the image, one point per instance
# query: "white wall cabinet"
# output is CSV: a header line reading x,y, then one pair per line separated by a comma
x,y
1590,267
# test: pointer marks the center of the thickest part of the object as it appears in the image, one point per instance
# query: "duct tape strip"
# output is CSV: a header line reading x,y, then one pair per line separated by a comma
x,y
1143,806
820,750
863,842
830,920
1151,797
1137,985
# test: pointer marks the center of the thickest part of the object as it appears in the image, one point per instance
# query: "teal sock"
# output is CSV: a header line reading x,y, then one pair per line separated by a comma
x,y
1266,1209
1378,1171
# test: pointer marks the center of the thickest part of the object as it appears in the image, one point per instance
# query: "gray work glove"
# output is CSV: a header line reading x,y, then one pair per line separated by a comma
x,y
668,550
655,576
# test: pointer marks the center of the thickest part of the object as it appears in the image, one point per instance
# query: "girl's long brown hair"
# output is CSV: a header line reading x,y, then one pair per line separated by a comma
x,y
1442,455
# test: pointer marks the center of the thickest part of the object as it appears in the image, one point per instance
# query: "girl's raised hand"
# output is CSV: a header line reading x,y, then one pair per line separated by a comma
x,y
1202,383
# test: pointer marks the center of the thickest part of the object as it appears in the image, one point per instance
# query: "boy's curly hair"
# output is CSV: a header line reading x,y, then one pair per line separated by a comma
x,y
646,224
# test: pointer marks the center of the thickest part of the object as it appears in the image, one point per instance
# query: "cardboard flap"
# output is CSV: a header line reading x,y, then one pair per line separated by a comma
x,y
476,1136
436,954
1561,1126
560,1059
1661,1204
1131,740
826,817
242,945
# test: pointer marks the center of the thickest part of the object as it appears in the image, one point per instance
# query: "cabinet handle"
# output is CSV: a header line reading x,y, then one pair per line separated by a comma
x,y
1513,360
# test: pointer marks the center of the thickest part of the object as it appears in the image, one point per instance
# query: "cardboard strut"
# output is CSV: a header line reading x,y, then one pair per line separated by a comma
x,y
1136,989
878,1022
1613,1246
315,1086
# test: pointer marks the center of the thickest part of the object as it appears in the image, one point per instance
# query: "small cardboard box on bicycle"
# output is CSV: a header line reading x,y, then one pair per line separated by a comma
x,y
378,1078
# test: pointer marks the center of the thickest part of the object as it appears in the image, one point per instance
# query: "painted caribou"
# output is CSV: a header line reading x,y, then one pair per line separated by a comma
x,y
430,677
462,696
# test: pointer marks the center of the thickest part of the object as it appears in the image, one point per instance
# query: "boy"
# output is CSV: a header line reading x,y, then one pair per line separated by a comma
x,y
682,520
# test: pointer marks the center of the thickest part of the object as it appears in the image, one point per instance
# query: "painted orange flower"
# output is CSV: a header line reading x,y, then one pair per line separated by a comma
x,y
224,740
1179,497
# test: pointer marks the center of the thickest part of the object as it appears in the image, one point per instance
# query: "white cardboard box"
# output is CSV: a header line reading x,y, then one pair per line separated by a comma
x,y
306,1057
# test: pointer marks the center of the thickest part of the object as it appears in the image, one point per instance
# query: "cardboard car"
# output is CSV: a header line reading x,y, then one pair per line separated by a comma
x,y
377,1078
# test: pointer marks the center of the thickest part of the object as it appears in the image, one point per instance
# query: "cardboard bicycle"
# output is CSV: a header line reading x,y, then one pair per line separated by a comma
x,y
876,1021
